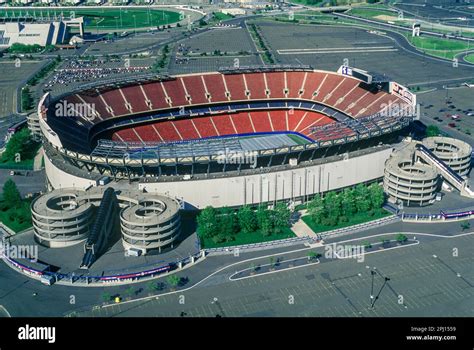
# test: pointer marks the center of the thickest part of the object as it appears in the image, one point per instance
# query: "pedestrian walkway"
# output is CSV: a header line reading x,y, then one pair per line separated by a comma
x,y
300,228
38,160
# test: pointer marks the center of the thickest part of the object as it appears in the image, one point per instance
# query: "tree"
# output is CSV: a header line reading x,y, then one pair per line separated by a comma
x,y
362,198
228,224
281,215
11,195
432,130
465,226
106,297
332,203
207,225
401,238
316,209
151,286
376,196
247,219
264,221
173,280
21,146
348,202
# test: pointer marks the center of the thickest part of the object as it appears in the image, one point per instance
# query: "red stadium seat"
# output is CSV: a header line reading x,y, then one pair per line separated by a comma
x,y
136,98
115,100
256,85
215,87
236,86
154,92
312,84
278,119
276,84
224,125
195,89
242,123
294,82
261,121
186,129
175,91
205,127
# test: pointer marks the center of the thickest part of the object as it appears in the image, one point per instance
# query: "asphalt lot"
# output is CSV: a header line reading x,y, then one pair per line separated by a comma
x,y
426,285
460,102
396,58
11,76
36,182
268,294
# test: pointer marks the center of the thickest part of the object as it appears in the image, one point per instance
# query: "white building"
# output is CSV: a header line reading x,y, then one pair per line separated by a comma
x,y
233,11
50,33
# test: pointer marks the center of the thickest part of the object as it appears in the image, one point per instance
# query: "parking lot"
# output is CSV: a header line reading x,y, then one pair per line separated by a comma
x,y
326,47
420,285
11,77
451,109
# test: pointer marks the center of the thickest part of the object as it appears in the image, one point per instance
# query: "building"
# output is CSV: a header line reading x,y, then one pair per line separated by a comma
x,y
39,33
415,171
233,142
66,217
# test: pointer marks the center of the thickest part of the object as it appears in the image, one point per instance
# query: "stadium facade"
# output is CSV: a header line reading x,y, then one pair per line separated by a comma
x,y
227,138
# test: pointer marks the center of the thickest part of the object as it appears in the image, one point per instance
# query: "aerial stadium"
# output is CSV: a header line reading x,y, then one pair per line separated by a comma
x,y
228,138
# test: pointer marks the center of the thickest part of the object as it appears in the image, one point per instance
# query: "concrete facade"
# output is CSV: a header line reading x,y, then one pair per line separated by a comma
x,y
64,217
412,178
261,186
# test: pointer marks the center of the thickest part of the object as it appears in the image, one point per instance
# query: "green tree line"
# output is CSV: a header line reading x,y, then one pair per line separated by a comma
x,y
336,208
223,224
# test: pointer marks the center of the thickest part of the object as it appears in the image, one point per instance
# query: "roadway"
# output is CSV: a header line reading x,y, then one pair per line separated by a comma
x,y
22,296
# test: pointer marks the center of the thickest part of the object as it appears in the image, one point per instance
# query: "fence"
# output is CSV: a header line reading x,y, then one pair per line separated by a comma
x,y
72,278
261,246
441,217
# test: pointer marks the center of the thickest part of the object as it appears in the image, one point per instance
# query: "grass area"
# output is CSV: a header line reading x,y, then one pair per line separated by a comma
x,y
298,139
248,238
103,18
24,165
328,3
221,16
266,54
470,58
17,219
308,2
444,48
371,13
431,43
356,219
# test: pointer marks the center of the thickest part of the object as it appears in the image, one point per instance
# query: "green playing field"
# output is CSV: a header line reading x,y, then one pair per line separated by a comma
x,y
102,18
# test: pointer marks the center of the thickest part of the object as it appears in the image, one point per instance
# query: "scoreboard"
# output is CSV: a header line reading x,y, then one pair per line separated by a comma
x,y
356,73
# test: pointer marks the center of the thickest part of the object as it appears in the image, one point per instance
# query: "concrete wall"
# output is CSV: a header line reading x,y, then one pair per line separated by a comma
x,y
252,189
60,179
289,184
